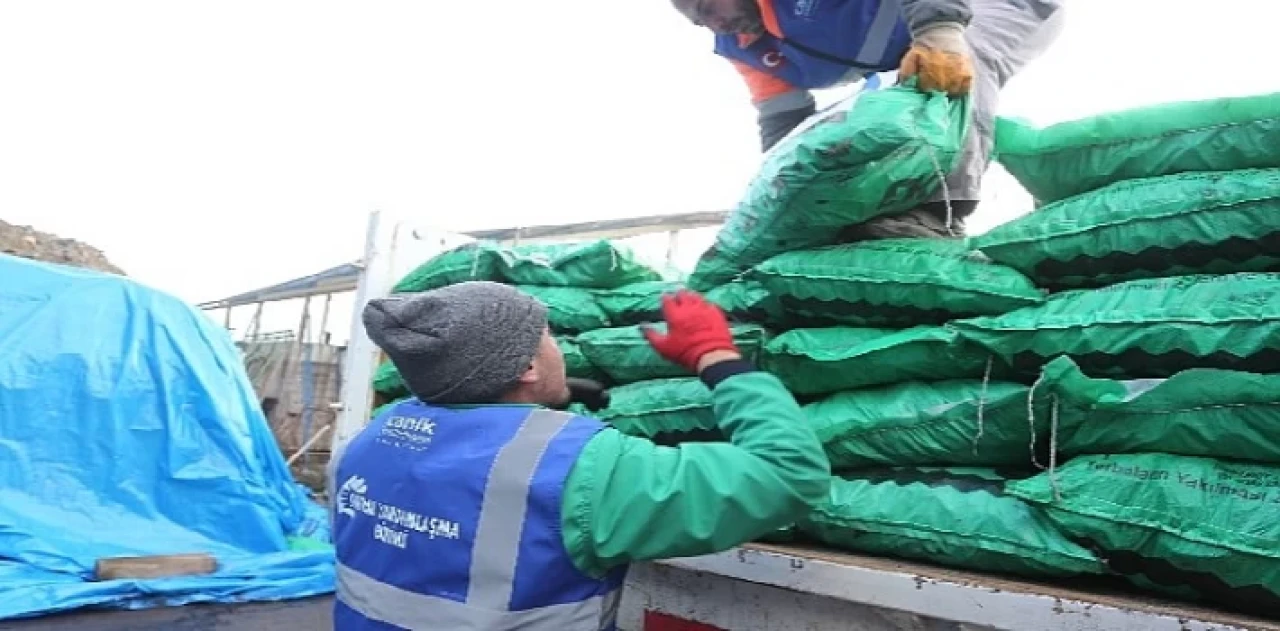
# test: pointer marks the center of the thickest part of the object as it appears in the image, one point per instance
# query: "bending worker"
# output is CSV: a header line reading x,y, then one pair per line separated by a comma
x,y
477,506
784,48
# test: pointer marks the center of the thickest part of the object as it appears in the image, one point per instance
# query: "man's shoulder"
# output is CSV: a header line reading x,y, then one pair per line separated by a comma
x,y
808,8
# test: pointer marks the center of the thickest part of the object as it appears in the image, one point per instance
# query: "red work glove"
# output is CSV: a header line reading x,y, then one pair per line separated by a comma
x,y
695,327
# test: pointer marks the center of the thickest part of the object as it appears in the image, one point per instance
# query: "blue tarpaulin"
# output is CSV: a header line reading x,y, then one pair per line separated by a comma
x,y
129,427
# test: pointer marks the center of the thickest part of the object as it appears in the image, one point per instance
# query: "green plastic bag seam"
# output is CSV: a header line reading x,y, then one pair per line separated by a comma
x,y
1129,140
1047,324
1150,522
1127,220
827,518
987,404
1032,296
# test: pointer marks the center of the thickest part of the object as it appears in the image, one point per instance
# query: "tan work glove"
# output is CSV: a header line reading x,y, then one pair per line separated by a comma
x,y
939,56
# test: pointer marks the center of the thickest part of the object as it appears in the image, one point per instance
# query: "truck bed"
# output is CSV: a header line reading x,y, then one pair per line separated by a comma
x,y
846,584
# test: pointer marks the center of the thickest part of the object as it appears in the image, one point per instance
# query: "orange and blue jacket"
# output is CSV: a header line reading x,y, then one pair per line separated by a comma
x,y
815,44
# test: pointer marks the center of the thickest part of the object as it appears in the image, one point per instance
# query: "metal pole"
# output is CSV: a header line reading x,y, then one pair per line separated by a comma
x,y
255,325
324,318
673,244
305,374
309,386
361,354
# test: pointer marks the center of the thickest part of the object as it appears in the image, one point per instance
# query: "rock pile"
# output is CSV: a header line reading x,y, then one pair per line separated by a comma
x,y
28,242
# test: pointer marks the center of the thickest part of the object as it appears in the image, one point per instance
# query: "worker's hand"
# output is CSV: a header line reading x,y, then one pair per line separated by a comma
x,y
695,328
589,393
940,58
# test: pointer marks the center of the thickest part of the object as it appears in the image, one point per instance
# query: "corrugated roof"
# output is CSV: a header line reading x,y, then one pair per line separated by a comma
x,y
333,280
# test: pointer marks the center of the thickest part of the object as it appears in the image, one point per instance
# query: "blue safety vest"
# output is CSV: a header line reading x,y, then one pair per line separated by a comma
x,y
826,42
449,519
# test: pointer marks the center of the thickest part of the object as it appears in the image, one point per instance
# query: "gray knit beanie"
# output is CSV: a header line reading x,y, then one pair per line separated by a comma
x,y
464,343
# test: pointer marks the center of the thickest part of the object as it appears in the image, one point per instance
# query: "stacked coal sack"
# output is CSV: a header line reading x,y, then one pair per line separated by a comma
x,y
566,278
1158,351
923,428
651,397
1107,364
858,333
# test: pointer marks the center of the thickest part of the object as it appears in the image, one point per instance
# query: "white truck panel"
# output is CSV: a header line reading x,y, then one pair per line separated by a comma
x,y
741,605
771,588
392,249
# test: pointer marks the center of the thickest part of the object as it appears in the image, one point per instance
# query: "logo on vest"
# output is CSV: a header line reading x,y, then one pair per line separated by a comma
x,y
395,525
407,432
805,8
771,59
351,496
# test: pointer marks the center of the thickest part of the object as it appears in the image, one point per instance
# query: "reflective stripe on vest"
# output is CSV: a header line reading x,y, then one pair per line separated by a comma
x,y
880,34
494,557
392,605
875,44
502,515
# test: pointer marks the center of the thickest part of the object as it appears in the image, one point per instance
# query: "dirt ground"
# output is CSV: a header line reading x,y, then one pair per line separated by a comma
x,y
30,243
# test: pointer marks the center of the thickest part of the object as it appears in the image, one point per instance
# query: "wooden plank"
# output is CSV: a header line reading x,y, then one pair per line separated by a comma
x,y
609,228
109,569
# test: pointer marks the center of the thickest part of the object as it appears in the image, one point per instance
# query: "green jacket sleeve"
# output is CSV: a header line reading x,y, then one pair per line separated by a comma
x,y
627,499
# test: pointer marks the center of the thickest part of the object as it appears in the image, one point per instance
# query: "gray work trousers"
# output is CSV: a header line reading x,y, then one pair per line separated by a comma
x,y
1004,35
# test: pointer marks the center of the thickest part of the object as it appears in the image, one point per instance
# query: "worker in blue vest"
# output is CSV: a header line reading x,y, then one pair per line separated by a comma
x,y
785,48
478,506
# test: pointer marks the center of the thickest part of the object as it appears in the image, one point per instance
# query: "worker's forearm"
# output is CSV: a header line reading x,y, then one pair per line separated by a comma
x,y
781,114
919,14
628,499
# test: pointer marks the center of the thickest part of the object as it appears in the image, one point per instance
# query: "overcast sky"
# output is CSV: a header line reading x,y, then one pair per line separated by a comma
x,y
211,148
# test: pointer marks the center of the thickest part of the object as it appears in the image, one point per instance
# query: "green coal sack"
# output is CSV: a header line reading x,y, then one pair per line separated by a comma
x,y
1185,525
958,517
1194,223
1079,156
740,300
576,363
472,261
886,153
892,283
625,356
386,380
662,406
942,423
569,309
746,301
828,360
594,265
1197,412
1146,328
635,303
